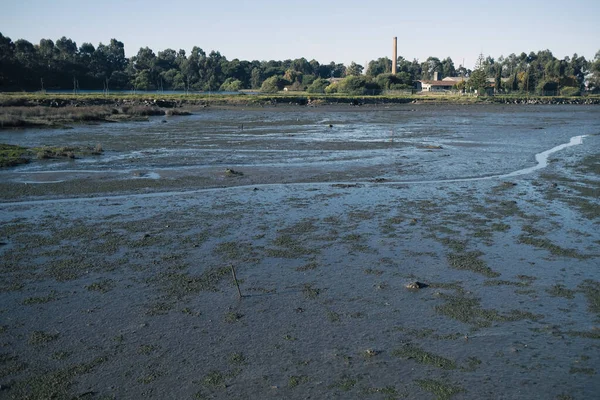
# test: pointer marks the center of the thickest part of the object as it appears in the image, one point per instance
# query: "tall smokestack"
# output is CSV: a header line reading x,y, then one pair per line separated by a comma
x,y
394,60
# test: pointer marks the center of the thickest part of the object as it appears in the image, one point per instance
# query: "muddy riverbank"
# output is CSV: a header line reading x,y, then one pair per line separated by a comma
x,y
116,269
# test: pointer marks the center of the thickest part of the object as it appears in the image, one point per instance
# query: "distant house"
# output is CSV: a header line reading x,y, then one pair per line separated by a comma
x,y
455,79
435,86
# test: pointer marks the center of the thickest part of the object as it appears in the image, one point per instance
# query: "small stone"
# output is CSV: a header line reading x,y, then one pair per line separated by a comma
x,y
416,285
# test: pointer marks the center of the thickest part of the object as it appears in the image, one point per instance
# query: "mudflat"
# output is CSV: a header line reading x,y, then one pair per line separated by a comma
x,y
413,251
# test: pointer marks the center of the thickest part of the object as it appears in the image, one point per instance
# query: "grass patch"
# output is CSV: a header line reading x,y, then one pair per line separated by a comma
x,y
307,267
554,249
41,337
101,286
559,290
586,371
296,380
40,300
469,311
180,284
11,155
234,250
237,359
471,262
456,245
52,385
310,292
424,357
500,227
232,317
594,334
500,282
591,290
371,271
346,383
214,379
441,390
332,316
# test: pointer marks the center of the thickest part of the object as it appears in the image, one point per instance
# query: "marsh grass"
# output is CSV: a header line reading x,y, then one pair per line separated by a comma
x,y
232,317
310,292
101,286
54,384
214,379
296,380
591,290
500,282
470,261
41,337
554,249
11,155
586,371
308,267
334,317
40,300
237,359
20,116
345,383
179,284
441,390
559,290
468,310
421,356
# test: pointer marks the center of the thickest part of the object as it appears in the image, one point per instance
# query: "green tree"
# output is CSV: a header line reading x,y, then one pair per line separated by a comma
x,y
272,84
255,78
478,78
354,69
231,85
318,86
498,80
358,85
429,67
399,81
594,80
382,65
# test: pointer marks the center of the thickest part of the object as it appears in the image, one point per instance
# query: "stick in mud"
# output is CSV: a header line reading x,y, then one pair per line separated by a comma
x,y
236,281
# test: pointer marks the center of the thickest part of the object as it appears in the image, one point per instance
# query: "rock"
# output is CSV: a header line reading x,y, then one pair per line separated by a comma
x,y
416,285
231,172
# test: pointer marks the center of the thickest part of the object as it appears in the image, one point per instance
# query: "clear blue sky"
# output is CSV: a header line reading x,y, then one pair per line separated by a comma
x,y
334,30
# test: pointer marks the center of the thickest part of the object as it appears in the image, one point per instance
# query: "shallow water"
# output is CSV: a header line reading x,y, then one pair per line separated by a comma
x,y
325,228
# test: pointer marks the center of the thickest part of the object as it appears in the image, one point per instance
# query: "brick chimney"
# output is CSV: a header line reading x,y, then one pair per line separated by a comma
x,y
395,57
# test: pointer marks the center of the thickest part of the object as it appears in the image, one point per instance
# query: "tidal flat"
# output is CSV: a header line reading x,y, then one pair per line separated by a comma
x,y
116,268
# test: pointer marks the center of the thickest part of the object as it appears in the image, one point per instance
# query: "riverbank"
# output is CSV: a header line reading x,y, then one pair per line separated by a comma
x,y
57,110
300,98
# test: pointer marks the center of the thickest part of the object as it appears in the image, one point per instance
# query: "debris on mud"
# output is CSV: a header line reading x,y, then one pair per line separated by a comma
x,y
231,172
346,185
416,285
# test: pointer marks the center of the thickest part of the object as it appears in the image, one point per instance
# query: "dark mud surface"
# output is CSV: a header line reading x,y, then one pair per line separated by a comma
x,y
116,269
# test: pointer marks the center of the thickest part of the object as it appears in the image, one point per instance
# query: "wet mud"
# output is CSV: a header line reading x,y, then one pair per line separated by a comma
x,y
418,251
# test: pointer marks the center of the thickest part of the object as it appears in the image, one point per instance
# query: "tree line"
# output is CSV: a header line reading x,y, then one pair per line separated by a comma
x,y
64,65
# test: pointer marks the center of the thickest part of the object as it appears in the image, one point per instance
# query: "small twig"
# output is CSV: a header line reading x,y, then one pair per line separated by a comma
x,y
236,281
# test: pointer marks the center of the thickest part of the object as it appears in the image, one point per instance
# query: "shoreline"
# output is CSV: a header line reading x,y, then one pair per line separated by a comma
x,y
19,110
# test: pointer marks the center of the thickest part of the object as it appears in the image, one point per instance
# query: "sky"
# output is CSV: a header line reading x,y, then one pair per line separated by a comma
x,y
325,30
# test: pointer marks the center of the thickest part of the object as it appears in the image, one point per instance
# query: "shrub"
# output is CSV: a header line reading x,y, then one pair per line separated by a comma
x,y
273,84
231,85
570,91
318,86
358,85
